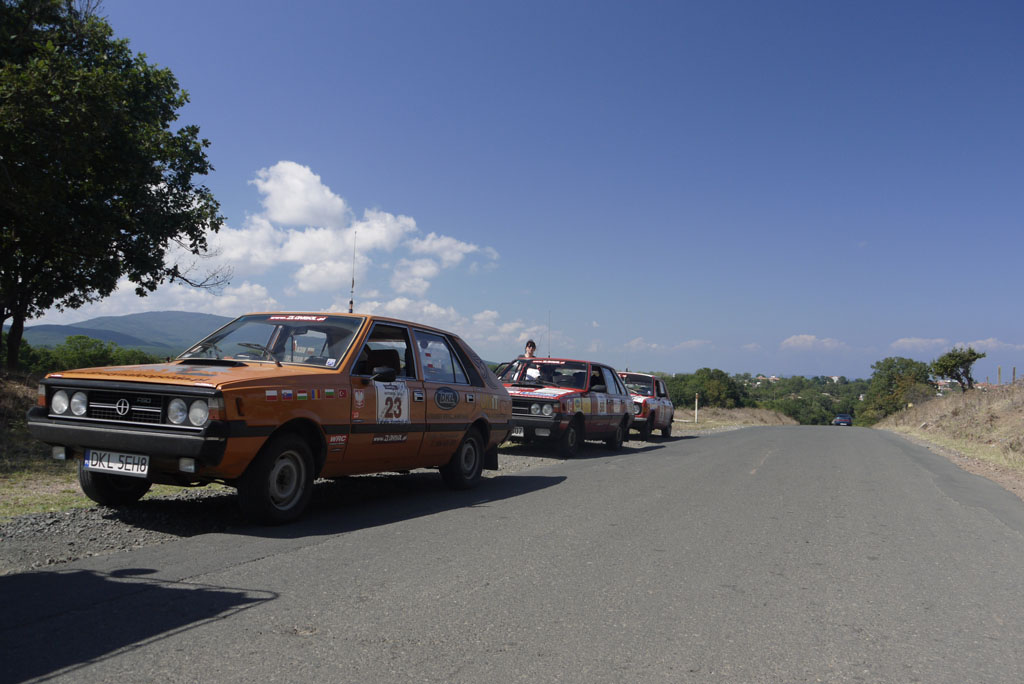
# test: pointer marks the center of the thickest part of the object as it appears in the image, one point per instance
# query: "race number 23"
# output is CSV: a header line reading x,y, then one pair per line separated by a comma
x,y
392,402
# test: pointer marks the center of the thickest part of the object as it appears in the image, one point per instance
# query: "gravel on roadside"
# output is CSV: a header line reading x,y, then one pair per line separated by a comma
x,y
43,540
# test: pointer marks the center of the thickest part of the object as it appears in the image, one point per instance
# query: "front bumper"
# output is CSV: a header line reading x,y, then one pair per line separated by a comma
x,y
206,446
541,427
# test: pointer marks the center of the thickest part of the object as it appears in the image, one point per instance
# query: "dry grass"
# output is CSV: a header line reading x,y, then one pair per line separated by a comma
x,y
984,424
712,418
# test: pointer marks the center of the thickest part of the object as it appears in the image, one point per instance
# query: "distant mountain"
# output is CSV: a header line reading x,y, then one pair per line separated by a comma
x,y
165,333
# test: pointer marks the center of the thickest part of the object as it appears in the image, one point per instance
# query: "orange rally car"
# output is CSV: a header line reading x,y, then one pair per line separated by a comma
x,y
272,401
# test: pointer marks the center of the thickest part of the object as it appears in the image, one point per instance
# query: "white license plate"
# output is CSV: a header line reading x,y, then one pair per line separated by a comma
x,y
134,465
518,432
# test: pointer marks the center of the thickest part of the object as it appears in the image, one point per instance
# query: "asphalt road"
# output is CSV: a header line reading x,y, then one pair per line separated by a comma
x,y
788,554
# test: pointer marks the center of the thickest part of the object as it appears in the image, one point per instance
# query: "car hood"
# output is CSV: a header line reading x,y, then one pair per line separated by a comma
x,y
193,374
541,392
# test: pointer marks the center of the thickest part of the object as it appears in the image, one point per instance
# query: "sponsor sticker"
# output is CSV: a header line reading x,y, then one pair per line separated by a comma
x,y
331,362
337,440
360,398
390,439
446,398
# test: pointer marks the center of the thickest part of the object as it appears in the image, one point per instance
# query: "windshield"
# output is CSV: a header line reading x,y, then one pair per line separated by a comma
x,y
546,373
309,340
638,384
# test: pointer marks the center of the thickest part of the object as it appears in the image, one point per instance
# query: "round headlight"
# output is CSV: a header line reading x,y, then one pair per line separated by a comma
x,y
59,402
199,412
79,403
535,409
547,409
637,408
177,412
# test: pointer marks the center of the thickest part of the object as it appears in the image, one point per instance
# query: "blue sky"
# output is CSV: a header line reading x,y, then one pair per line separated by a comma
x,y
765,187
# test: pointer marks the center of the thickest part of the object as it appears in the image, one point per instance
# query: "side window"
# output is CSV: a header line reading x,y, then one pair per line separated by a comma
x,y
661,389
611,381
387,346
437,360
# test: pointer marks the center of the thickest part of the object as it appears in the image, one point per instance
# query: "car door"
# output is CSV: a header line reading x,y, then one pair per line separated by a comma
x,y
665,413
450,397
387,415
618,401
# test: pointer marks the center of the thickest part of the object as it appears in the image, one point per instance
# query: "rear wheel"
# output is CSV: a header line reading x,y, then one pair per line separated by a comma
x,y
645,428
467,464
278,484
111,490
615,441
569,444
667,430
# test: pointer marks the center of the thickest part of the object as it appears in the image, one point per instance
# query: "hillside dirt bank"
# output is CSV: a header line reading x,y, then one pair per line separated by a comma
x,y
982,431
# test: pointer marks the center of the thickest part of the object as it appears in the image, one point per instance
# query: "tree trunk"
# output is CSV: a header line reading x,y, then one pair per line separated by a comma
x,y
14,340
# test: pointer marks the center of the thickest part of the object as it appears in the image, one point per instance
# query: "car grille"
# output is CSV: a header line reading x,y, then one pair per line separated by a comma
x,y
521,407
128,407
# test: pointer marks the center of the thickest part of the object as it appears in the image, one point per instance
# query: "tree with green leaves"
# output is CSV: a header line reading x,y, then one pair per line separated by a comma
x,y
95,184
896,382
956,365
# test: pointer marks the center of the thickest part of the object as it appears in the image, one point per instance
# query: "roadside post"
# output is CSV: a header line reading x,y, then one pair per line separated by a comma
x,y
696,401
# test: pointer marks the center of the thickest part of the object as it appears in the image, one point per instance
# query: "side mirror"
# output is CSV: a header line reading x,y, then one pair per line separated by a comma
x,y
384,374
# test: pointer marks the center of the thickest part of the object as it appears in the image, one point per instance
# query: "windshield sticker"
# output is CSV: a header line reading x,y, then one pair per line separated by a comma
x,y
296,317
331,362
392,402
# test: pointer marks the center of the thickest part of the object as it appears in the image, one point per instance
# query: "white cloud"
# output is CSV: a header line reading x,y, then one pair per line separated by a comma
x,y
595,324
638,344
256,244
991,345
413,276
692,344
752,347
381,230
812,342
449,250
419,310
293,195
918,344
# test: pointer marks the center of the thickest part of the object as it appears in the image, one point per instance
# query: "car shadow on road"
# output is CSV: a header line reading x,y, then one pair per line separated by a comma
x,y
337,506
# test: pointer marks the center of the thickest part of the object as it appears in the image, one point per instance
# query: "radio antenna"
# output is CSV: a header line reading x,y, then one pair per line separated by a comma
x,y
352,292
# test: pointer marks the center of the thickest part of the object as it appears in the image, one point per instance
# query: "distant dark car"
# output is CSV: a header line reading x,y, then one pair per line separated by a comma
x,y
843,419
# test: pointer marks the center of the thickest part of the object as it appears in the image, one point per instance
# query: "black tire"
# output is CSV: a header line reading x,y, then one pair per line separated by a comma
x,y
572,438
645,428
667,430
467,464
618,436
278,484
111,490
